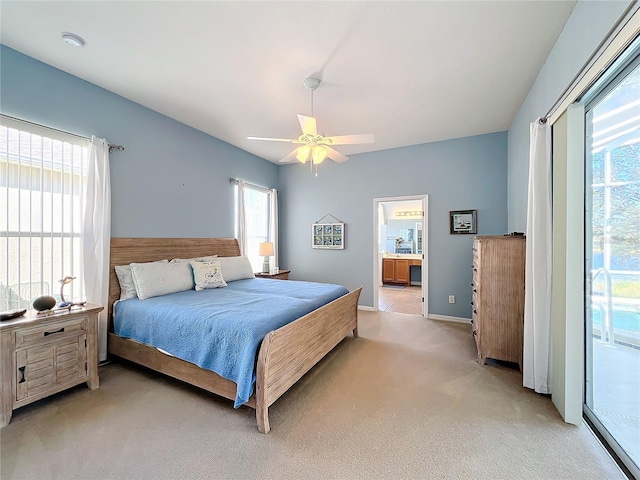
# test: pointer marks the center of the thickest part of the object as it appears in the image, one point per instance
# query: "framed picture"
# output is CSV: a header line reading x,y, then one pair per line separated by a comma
x,y
463,221
327,235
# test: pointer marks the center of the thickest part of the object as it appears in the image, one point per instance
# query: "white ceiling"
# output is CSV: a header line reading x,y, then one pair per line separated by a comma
x,y
408,72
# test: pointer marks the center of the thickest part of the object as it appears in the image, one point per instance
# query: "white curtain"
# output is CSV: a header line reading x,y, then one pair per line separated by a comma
x,y
537,304
240,221
96,235
273,224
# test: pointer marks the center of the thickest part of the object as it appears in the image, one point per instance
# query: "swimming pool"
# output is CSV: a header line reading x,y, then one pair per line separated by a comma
x,y
622,320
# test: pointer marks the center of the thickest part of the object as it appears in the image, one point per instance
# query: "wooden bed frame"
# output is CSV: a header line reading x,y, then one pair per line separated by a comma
x,y
285,355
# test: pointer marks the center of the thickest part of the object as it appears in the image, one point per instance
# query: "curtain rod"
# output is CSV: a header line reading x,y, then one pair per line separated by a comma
x,y
624,18
236,180
111,146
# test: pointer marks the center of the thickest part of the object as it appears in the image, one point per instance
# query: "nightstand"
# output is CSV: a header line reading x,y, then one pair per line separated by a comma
x,y
45,354
281,275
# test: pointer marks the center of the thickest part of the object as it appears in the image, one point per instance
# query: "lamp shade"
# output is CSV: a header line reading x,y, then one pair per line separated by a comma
x,y
266,249
303,153
318,153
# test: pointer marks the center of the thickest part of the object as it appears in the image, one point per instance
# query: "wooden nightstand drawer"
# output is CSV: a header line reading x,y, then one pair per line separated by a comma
x,y
281,275
49,331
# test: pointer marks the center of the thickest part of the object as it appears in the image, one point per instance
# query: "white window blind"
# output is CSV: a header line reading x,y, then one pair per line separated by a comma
x,y
42,181
257,223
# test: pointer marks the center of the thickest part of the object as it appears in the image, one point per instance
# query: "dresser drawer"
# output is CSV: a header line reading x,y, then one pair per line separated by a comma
x,y
475,300
50,331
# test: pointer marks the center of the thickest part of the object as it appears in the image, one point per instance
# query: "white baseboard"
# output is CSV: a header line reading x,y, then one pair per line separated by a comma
x,y
447,318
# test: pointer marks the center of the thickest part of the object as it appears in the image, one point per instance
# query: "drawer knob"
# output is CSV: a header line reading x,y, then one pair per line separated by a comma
x,y
46,334
21,370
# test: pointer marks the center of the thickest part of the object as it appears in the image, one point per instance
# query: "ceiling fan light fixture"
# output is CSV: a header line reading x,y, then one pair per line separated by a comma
x,y
303,153
318,153
314,146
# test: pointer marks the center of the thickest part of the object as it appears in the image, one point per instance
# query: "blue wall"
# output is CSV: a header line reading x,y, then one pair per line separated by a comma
x,y
587,26
462,174
170,181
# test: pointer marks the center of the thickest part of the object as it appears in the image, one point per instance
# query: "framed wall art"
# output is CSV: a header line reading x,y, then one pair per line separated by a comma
x,y
327,235
463,221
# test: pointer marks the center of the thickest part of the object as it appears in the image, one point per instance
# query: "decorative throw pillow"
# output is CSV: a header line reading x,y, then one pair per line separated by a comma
x,y
208,275
195,259
153,279
236,268
125,278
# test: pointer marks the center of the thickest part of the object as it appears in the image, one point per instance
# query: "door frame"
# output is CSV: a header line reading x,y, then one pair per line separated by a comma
x,y
377,266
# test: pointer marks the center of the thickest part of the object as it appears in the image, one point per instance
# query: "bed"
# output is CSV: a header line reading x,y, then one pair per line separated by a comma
x,y
284,355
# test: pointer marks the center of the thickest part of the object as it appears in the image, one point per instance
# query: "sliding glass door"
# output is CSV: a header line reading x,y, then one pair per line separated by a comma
x,y
612,249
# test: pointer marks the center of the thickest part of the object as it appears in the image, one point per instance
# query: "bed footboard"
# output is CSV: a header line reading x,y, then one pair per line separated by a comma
x,y
288,353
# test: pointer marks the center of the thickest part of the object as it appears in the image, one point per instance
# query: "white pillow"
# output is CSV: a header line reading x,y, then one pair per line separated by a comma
x,y
195,259
153,279
127,287
207,275
236,268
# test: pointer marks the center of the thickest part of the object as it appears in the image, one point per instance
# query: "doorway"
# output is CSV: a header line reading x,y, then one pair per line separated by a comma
x,y
400,254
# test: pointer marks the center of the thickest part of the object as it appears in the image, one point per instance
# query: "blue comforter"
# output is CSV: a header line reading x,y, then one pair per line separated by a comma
x,y
221,329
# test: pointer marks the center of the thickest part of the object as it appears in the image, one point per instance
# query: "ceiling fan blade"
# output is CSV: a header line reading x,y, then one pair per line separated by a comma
x,y
290,157
351,139
336,155
308,125
289,140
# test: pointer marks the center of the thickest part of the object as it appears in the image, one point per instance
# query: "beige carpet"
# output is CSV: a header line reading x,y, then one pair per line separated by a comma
x,y
405,400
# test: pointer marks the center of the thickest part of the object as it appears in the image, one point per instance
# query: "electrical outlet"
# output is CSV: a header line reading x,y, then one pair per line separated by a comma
x,y
452,299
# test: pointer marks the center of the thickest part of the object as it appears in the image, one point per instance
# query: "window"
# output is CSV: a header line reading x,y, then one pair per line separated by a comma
x,y
256,203
43,176
259,222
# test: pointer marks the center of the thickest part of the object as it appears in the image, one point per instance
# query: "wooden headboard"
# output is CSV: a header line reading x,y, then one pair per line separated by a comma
x,y
128,250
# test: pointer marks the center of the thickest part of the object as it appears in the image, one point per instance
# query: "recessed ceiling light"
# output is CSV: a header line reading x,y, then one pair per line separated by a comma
x,y
72,39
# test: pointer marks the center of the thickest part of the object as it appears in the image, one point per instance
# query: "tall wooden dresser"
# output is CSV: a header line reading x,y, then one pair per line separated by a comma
x,y
498,297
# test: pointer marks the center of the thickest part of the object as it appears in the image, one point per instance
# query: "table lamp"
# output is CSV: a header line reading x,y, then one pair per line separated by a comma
x,y
266,250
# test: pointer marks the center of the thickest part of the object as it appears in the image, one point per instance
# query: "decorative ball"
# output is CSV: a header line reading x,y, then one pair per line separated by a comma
x,y
45,302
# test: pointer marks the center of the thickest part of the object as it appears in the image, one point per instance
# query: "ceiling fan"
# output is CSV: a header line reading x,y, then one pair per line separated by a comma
x,y
315,146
